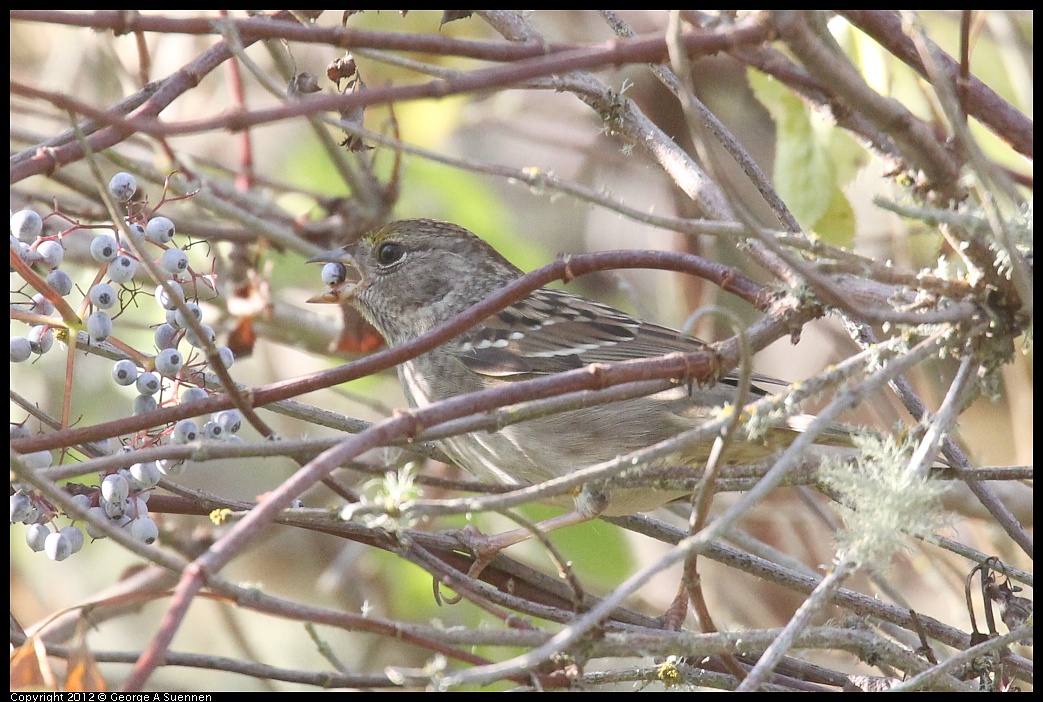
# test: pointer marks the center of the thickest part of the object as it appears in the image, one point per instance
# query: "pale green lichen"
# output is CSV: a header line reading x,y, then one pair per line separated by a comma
x,y
386,505
880,500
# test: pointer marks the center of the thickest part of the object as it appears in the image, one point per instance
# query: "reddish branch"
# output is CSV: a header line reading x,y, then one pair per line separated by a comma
x,y
981,101
696,366
651,49
145,119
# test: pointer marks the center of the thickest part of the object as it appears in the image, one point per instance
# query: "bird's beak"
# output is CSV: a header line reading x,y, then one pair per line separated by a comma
x,y
332,296
338,293
343,255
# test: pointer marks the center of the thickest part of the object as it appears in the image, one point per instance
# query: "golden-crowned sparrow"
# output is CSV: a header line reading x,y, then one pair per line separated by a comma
x,y
416,274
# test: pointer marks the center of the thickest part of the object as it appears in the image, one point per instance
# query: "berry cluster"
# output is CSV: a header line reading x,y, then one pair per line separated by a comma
x,y
168,376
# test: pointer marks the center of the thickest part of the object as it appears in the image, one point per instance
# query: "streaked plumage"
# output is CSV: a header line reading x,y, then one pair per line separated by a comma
x,y
418,273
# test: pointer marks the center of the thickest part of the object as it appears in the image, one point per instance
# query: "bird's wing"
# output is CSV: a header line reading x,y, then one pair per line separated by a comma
x,y
552,331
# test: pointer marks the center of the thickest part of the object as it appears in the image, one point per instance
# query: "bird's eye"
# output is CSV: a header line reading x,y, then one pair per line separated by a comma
x,y
389,252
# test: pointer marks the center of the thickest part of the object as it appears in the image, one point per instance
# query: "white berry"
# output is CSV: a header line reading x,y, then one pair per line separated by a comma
x,y
334,273
213,430
165,299
180,321
26,225
75,537
41,339
36,516
140,508
21,507
98,513
137,233
185,431
21,349
169,362
144,404
160,230
227,356
99,326
125,372
193,395
165,337
36,536
57,546
60,281
148,383
103,295
231,420
174,261
41,305
170,467
114,488
113,508
122,187
38,460
147,474
122,269
143,529
51,253
200,341
104,248
82,501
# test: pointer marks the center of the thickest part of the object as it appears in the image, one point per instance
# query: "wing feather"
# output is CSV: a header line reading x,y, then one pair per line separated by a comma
x,y
553,331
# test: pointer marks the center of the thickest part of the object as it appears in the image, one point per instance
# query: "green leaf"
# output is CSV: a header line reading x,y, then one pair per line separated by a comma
x,y
813,159
836,226
600,553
